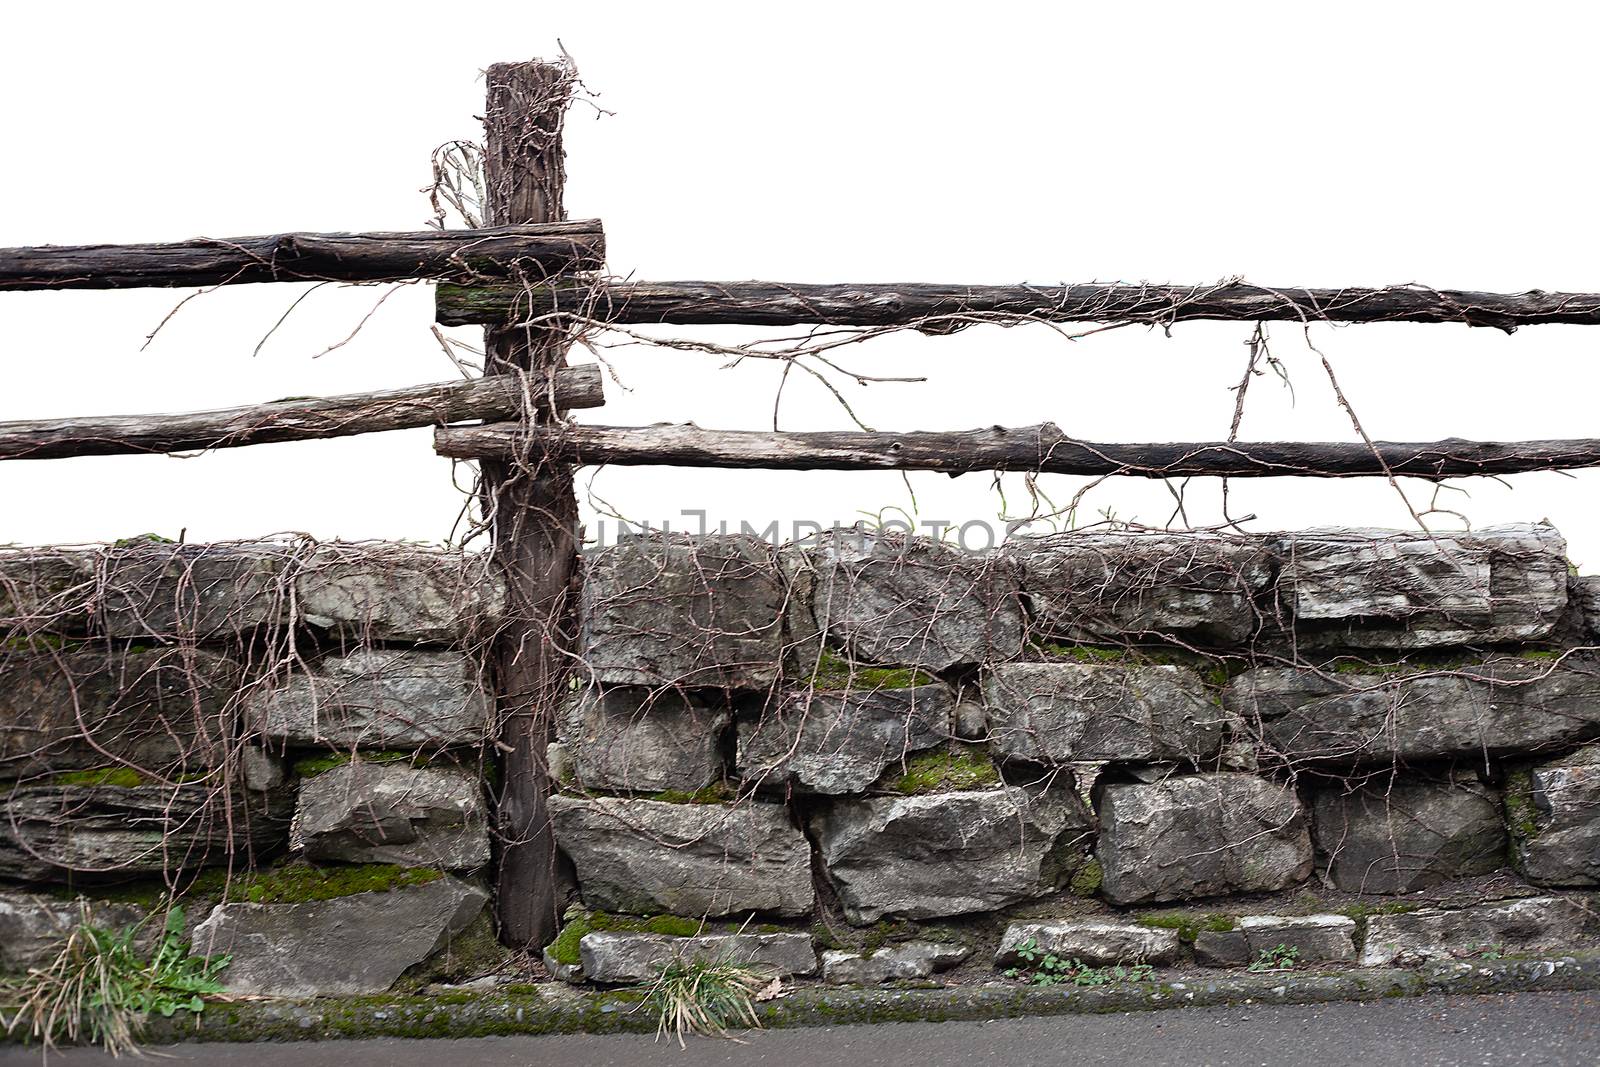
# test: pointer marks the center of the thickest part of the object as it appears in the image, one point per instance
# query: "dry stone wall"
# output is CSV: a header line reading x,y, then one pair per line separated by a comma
x,y
1185,750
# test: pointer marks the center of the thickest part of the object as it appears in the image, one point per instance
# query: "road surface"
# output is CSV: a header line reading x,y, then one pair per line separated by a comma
x,y
1518,1028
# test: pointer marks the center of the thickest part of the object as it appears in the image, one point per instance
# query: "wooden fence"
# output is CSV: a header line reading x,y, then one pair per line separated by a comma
x,y
532,278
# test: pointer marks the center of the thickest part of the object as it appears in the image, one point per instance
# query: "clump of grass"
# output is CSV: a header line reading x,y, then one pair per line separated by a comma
x,y
703,997
101,990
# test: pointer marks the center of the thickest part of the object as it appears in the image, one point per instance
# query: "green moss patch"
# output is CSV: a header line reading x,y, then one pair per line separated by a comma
x,y
715,793
1215,672
311,766
953,768
564,949
126,777
1521,815
835,672
1086,882
1188,924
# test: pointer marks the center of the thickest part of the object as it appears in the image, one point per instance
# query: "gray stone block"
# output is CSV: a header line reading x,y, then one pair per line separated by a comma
x,y
692,612
921,857
49,832
1390,589
1113,586
645,740
33,927
645,856
1198,836
46,591
1399,837
1058,713
163,591
1533,924
617,958
378,698
838,742
906,961
93,706
396,592
364,812
345,946
1554,810
1092,941
885,598
1499,706
1314,939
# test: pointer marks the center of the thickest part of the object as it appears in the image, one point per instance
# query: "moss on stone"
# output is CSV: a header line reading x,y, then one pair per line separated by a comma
x,y
715,793
835,672
311,766
954,768
564,949
298,882
1087,881
125,777
1188,924
1521,814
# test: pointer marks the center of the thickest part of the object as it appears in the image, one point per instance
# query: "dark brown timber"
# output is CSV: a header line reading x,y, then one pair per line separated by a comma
x,y
534,515
303,419
1042,448
951,306
460,255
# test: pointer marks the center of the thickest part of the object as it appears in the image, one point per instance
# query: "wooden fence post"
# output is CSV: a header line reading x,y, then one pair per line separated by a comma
x,y
534,514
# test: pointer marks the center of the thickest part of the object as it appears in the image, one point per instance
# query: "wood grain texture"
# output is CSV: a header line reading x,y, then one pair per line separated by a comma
x,y
1043,448
310,418
528,251
534,520
755,303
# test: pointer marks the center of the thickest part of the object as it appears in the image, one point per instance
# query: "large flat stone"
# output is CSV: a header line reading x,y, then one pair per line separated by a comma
x,y
1198,836
645,740
396,592
1533,924
616,958
645,856
1499,706
365,812
1399,837
379,698
33,927
921,857
164,591
1389,589
1314,938
1058,713
1111,586
348,945
906,961
46,591
116,832
690,612
840,741
890,599
1555,819
96,705
1093,941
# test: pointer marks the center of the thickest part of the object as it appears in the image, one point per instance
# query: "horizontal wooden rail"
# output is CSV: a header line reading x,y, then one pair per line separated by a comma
x,y
301,419
462,255
1042,448
950,306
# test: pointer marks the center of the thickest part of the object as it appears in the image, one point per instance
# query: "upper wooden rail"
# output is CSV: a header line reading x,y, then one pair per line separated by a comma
x,y
1042,448
941,308
536,251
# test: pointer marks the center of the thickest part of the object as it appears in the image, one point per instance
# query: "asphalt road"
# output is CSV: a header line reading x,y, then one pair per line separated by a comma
x,y
1519,1028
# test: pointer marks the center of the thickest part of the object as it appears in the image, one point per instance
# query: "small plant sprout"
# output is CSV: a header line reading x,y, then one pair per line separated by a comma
x,y
704,997
1277,958
1048,969
100,989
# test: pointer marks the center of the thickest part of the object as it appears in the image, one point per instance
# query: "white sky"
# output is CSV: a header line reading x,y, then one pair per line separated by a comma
x,y
1359,144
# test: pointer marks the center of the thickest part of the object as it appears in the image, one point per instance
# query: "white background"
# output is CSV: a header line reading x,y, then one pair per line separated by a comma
x,y
1304,145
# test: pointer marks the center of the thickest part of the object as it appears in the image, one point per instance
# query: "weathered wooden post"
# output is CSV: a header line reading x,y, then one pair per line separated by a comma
x,y
533,511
